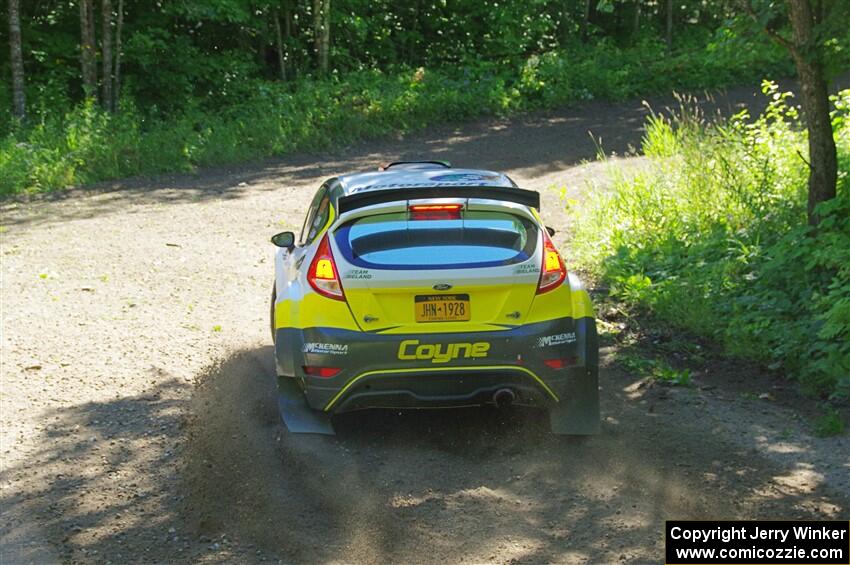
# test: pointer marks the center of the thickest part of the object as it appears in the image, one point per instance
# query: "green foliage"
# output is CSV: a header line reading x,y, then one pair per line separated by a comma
x,y
657,369
200,81
712,237
829,423
604,70
830,30
250,118
87,144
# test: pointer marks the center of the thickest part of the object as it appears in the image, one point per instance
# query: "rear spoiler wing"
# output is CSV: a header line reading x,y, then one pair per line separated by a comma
x,y
528,198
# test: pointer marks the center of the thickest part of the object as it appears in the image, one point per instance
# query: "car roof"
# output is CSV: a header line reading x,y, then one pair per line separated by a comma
x,y
420,174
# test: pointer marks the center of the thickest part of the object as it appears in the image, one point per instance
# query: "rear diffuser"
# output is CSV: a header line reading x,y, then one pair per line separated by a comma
x,y
298,417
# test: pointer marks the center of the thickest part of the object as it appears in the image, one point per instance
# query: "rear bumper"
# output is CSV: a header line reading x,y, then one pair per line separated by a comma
x,y
445,369
466,386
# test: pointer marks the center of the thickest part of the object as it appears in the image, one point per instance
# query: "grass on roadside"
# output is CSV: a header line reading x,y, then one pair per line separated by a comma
x,y
82,144
657,369
829,423
711,237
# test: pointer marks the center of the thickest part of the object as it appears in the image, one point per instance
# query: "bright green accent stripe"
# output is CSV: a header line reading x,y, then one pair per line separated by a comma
x,y
443,328
331,216
351,383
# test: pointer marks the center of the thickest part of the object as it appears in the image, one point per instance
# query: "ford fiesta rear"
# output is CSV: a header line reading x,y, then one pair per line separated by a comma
x,y
454,298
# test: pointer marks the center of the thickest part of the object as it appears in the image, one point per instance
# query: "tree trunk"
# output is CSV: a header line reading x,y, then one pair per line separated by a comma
x,y
281,58
87,49
19,100
326,37
287,33
636,21
106,53
317,31
823,163
116,93
669,36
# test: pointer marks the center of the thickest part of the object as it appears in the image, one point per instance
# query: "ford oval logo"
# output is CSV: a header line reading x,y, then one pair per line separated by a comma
x,y
442,286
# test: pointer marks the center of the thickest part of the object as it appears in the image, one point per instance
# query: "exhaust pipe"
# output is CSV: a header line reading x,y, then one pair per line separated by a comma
x,y
504,397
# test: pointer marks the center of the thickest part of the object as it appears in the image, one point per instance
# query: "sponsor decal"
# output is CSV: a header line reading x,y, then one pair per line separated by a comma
x,y
411,350
326,348
450,179
527,268
357,274
464,177
557,339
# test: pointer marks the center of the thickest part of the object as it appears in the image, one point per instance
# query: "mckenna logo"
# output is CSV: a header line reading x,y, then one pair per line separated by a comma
x,y
556,339
411,350
326,348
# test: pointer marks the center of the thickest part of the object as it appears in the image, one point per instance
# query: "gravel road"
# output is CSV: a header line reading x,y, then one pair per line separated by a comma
x,y
139,419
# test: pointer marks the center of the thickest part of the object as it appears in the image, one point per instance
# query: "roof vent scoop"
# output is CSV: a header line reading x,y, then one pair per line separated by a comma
x,y
417,165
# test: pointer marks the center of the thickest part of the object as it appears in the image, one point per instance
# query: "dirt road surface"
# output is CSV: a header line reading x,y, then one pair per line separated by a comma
x,y
139,419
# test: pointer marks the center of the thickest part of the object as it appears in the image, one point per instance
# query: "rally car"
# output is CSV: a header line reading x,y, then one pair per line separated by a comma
x,y
421,285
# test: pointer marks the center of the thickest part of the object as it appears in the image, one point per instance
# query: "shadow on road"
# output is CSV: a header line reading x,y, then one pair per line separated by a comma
x,y
162,478
99,487
459,484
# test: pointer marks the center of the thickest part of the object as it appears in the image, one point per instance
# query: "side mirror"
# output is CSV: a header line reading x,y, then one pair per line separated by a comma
x,y
285,239
550,231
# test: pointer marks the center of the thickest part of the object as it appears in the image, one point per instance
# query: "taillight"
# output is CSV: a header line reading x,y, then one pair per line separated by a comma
x,y
553,272
435,211
560,363
323,372
323,276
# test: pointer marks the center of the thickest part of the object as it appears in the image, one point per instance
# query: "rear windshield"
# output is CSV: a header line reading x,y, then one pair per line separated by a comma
x,y
477,239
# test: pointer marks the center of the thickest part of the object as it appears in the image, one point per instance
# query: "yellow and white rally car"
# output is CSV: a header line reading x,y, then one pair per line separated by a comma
x,y
420,285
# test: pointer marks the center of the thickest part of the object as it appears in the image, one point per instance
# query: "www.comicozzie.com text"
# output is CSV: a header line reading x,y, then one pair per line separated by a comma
x,y
726,535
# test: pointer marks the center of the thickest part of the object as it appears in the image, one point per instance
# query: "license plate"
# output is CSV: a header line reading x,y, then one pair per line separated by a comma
x,y
442,308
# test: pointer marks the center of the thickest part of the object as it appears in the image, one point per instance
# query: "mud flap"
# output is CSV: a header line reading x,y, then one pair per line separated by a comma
x,y
298,417
578,411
